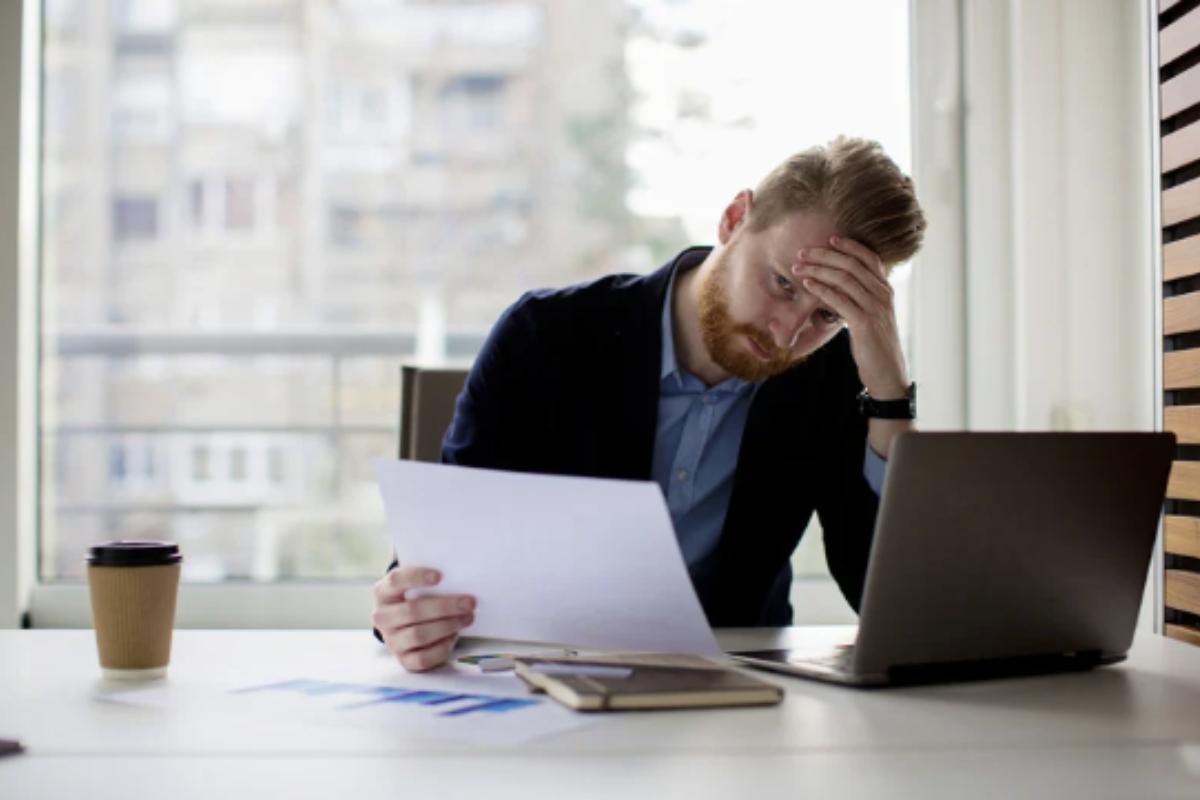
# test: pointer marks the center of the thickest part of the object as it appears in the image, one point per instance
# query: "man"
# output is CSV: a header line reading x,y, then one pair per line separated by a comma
x,y
732,376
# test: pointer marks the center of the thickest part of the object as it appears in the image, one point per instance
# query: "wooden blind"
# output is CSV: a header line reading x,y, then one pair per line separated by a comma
x,y
1179,77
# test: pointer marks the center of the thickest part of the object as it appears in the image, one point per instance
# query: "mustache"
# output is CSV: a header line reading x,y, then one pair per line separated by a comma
x,y
762,340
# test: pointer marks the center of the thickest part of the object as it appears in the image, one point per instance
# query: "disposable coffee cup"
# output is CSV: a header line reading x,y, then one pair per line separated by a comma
x,y
133,587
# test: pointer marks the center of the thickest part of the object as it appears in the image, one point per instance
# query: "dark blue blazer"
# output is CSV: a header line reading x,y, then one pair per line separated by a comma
x,y
567,383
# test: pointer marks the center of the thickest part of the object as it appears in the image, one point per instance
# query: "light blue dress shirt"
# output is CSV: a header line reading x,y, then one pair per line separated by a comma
x,y
696,447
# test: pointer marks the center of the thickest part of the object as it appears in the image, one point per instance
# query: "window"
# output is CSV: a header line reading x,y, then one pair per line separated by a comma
x,y
226,207
237,465
275,468
239,204
116,463
473,103
135,218
141,105
201,471
304,200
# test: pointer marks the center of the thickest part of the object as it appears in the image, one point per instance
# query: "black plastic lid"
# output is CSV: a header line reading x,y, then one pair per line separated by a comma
x,y
134,554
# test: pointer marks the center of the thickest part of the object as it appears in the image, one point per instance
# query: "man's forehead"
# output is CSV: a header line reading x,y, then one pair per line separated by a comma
x,y
796,230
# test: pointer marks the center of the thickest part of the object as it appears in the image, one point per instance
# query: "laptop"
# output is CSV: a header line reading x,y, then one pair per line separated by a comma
x,y
1000,554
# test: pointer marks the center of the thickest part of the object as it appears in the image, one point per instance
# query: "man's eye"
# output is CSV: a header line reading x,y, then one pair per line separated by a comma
x,y
783,283
827,316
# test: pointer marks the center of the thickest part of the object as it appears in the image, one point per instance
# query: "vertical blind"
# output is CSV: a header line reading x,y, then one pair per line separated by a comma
x,y
1179,77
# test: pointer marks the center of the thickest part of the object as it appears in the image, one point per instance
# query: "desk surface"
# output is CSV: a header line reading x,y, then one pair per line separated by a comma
x,y
1132,730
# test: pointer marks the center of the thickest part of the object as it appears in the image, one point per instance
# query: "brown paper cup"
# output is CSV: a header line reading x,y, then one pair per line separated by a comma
x,y
133,611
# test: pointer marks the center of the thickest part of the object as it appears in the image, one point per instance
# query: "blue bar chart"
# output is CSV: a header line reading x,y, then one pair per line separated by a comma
x,y
361,695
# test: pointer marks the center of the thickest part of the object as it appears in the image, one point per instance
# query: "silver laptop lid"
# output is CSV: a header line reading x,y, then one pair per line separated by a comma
x,y
1002,545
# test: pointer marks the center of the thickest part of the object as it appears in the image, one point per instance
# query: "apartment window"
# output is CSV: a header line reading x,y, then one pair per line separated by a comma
x,y
370,108
237,465
195,194
201,470
225,205
117,468
239,204
141,105
275,468
144,16
148,462
135,218
346,226
474,103
334,187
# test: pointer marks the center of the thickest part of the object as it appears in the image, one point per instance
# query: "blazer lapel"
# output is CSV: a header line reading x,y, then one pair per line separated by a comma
x,y
637,359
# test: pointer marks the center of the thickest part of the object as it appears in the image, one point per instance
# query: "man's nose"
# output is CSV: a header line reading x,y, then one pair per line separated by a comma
x,y
787,323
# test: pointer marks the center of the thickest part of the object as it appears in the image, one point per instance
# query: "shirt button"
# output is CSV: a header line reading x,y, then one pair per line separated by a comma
x,y
683,474
710,398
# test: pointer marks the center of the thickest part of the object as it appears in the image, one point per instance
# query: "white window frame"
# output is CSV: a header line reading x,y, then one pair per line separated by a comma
x,y
937,359
20,101
1154,596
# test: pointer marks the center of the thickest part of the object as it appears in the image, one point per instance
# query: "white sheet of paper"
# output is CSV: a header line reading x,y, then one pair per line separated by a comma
x,y
587,562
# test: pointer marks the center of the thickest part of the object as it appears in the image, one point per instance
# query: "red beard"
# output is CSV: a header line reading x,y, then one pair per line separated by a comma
x,y
722,336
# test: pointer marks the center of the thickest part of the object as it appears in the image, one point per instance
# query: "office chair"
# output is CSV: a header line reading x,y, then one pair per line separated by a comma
x,y
427,398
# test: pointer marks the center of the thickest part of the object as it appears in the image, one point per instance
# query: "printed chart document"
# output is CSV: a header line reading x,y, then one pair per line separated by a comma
x,y
443,705
587,562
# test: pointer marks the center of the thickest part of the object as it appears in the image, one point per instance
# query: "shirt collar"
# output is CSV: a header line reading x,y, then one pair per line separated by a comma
x,y
669,365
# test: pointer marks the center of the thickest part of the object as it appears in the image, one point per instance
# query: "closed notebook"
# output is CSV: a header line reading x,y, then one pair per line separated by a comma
x,y
607,683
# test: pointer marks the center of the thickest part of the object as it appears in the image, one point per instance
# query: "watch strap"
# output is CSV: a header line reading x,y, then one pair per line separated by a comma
x,y
901,408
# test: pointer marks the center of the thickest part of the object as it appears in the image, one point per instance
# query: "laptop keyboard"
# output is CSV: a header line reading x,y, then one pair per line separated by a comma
x,y
838,660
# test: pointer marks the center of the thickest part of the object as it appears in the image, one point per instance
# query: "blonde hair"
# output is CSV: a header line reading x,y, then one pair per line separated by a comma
x,y
856,183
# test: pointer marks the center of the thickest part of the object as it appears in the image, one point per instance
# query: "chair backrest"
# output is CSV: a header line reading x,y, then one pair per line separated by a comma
x,y
427,398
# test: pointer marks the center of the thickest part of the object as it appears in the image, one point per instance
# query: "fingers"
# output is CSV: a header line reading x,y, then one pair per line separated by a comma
x,y
850,279
425,645
847,286
839,302
863,253
393,585
420,631
429,657
425,635
852,265
389,616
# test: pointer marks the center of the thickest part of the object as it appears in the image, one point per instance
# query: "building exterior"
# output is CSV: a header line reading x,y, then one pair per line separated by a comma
x,y
253,212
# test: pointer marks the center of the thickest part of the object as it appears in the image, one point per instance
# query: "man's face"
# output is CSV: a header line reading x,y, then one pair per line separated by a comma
x,y
756,318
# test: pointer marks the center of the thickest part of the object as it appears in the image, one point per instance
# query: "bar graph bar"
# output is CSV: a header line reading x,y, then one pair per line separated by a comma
x,y
448,704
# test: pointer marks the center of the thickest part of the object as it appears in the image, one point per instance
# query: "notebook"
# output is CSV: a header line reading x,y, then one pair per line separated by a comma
x,y
612,683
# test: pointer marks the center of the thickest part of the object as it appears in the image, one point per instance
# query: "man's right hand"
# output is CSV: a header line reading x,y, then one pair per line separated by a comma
x,y
420,631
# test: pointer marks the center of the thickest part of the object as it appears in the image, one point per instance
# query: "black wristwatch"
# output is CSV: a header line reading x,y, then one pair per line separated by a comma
x,y
903,408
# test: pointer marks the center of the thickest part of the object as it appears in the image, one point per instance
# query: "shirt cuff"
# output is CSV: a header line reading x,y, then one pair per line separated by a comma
x,y
874,468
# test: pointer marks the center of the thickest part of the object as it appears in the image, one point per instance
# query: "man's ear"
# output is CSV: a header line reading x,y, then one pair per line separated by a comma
x,y
735,215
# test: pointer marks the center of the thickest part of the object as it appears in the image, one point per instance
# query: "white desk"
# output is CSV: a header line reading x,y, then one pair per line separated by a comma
x,y
1127,731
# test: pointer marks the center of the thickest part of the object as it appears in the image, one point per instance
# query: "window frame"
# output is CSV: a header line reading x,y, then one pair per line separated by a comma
x,y
20,159
1154,596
